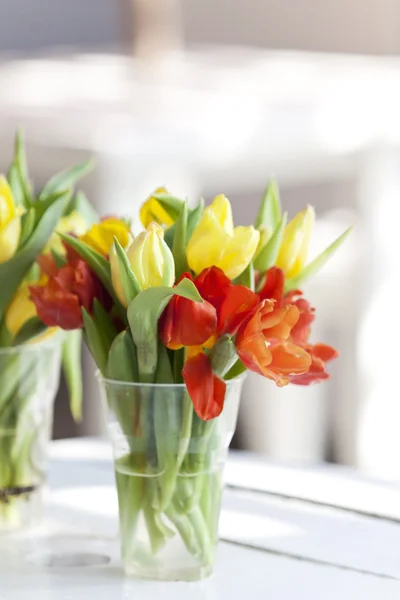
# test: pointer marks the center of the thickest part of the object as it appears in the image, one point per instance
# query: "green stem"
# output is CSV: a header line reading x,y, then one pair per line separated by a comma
x,y
184,526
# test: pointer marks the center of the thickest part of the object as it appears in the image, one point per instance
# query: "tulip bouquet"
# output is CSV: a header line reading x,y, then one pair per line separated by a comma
x,y
173,318
29,352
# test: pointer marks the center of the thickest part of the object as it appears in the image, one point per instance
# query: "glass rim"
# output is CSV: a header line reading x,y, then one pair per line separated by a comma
x,y
137,384
33,346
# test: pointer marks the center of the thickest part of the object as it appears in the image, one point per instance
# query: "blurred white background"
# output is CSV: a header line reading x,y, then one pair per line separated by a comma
x,y
215,96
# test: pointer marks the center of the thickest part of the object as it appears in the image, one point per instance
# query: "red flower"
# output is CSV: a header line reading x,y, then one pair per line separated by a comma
x,y
187,323
68,289
206,390
233,303
262,347
273,286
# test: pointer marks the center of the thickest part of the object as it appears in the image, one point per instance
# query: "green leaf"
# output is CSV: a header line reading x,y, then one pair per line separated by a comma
x,y
30,329
104,324
95,341
72,366
171,204
130,284
96,261
18,173
164,369
41,207
28,221
66,179
143,314
269,213
315,265
179,243
237,369
81,204
247,277
122,359
194,219
14,270
59,259
268,255
223,355
6,337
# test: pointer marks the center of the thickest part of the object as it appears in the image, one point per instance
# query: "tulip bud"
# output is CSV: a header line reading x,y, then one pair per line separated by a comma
x,y
101,235
296,239
150,259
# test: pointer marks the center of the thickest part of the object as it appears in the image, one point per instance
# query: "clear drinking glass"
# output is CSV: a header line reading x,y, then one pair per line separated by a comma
x,y
29,377
168,469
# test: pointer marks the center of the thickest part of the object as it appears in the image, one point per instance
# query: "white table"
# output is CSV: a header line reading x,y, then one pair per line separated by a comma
x,y
273,546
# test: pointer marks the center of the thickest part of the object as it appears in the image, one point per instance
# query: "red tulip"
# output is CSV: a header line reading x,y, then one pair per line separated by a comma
x,y
187,323
206,390
262,347
273,285
233,303
68,289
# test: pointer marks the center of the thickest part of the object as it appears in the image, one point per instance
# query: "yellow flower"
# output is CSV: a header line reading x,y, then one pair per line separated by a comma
x,y
152,211
151,261
74,223
10,222
100,236
20,310
296,240
216,242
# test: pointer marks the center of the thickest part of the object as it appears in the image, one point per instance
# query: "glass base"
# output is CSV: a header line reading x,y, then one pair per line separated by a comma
x,y
160,574
21,511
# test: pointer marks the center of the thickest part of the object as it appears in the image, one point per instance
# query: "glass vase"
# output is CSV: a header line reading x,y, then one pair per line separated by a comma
x,y
169,475
29,377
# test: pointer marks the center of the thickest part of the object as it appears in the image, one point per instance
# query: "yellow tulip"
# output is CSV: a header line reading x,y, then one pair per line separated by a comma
x,y
100,236
74,224
151,261
10,222
153,212
20,310
216,242
296,240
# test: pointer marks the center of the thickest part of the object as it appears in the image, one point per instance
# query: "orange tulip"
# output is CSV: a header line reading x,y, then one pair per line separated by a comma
x,y
262,345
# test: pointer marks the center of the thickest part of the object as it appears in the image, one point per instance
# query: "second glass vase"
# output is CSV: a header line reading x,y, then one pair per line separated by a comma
x,y
29,376
168,469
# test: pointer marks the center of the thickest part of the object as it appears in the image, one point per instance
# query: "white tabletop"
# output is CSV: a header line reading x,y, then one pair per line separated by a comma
x,y
273,546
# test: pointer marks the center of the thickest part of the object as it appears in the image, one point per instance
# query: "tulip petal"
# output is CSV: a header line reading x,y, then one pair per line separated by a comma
x,y
207,243
239,302
239,251
273,286
19,311
289,359
57,307
100,236
9,239
222,210
187,323
206,390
